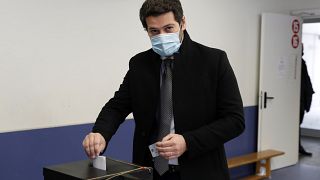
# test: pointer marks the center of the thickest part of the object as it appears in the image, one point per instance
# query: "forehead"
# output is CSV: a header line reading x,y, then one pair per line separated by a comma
x,y
161,20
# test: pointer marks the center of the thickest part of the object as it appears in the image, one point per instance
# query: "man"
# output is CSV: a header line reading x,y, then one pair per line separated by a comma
x,y
184,98
306,93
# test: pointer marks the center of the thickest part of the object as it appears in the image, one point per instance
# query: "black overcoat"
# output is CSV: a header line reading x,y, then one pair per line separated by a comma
x,y
207,105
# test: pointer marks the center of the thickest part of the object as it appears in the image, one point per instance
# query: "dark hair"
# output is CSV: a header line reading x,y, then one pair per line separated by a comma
x,y
158,7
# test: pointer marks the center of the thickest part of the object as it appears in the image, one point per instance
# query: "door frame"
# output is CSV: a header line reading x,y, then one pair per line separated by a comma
x,y
308,16
307,131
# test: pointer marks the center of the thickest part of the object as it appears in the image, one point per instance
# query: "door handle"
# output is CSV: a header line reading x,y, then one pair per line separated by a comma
x,y
266,97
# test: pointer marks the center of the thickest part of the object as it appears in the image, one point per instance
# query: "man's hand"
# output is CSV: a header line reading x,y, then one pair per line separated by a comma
x,y
171,146
93,144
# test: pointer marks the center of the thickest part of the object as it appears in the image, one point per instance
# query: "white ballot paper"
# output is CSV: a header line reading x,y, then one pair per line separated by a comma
x,y
153,150
100,162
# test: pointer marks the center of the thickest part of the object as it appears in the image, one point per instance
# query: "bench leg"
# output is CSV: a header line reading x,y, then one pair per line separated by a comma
x,y
263,168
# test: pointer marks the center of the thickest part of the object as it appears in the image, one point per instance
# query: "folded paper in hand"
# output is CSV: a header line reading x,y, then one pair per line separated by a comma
x,y
100,162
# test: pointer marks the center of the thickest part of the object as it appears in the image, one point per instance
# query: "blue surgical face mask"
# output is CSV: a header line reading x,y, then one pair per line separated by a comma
x,y
166,44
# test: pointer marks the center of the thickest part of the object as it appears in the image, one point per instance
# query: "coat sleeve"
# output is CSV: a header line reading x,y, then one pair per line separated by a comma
x,y
115,111
306,86
229,120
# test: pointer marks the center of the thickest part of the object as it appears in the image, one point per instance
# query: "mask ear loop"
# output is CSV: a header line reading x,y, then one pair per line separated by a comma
x,y
181,34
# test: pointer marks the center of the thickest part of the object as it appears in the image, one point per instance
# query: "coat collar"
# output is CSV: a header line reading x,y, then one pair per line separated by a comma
x,y
183,56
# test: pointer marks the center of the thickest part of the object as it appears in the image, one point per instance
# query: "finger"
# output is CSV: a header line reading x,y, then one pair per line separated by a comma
x,y
169,143
85,145
97,145
169,155
97,149
91,146
85,142
168,151
164,139
165,143
164,149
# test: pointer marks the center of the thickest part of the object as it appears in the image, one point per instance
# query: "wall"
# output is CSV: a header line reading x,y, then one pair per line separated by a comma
x,y
61,60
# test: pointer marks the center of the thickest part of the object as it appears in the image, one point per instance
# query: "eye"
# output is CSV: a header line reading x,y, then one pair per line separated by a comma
x,y
153,31
169,29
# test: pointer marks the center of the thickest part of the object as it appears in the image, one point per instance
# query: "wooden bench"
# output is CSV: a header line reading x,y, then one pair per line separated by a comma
x,y
262,160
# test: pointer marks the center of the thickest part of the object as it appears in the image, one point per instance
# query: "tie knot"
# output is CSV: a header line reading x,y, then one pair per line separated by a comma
x,y
168,63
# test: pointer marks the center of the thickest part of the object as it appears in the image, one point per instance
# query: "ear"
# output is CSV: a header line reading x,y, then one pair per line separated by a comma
x,y
183,23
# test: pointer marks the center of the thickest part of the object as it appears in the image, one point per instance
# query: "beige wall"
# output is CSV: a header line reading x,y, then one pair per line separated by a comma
x,y
61,60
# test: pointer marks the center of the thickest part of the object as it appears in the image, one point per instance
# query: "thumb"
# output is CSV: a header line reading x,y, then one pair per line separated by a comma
x,y
168,137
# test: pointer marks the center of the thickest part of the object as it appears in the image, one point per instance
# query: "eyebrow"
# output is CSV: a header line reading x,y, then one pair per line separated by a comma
x,y
152,28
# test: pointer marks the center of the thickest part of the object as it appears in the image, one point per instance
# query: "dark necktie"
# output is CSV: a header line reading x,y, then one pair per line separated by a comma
x,y
166,113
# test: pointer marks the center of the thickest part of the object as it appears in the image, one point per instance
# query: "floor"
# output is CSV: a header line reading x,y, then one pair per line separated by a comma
x,y
308,168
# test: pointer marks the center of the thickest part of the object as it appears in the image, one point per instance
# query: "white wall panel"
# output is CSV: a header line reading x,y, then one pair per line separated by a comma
x,y
61,60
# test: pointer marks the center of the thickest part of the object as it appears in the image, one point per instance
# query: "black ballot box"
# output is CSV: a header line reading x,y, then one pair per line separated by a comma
x,y
116,170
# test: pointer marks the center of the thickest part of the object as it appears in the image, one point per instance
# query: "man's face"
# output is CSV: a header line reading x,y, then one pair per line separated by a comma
x,y
164,23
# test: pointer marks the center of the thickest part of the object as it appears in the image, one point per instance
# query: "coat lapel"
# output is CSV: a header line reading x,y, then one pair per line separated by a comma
x,y
152,87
